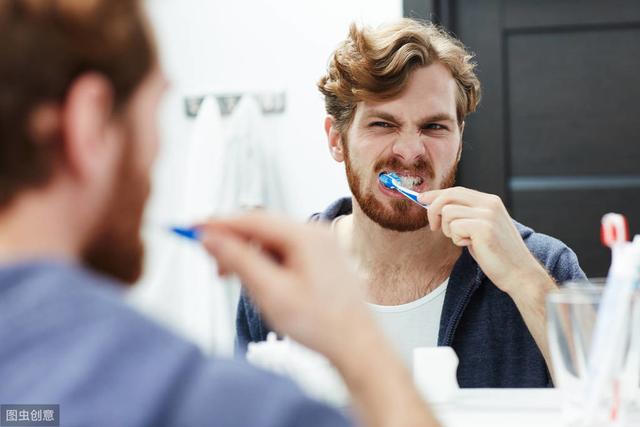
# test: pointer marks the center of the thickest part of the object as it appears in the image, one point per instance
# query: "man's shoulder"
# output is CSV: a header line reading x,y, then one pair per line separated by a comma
x,y
342,206
70,320
77,343
69,299
558,258
539,243
238,393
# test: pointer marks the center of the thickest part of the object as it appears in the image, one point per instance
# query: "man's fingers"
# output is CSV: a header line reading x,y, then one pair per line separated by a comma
x,y
428,196
439,199
435,220
459,241
455,195
258,270
462,231
451,213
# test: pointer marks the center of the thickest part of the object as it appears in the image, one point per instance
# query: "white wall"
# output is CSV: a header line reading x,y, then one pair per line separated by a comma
x,y
215,46
263,45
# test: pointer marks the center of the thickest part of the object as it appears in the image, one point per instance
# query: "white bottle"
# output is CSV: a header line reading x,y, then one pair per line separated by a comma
x,y
434,373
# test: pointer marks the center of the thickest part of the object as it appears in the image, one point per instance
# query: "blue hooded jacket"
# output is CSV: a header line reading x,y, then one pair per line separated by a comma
x,y
480,322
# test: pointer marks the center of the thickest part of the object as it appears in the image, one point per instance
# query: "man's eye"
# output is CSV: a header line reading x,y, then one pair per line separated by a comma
x,y
380,124
434,126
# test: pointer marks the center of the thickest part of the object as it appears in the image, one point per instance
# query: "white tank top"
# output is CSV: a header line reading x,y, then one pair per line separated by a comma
x,y
411,325
414,324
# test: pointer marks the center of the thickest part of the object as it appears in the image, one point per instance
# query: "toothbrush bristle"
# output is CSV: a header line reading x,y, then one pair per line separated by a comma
x,y
387,180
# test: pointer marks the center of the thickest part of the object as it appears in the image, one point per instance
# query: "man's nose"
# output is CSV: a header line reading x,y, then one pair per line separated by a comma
x,y
409,147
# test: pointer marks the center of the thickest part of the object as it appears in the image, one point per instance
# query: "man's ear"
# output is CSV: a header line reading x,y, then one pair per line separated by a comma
x,y
334,138
86,119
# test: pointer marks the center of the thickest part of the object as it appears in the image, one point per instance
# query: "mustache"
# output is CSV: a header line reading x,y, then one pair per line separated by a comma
x,y
420,166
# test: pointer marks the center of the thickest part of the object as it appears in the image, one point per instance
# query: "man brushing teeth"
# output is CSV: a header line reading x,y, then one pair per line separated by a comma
x,y
413,183
461,273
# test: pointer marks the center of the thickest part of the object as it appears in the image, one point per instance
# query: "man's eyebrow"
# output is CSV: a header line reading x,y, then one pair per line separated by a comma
x,y
382,115
438,117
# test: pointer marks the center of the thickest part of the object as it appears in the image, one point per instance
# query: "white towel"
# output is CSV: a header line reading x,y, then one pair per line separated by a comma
x,y
248,176
229,165
251,176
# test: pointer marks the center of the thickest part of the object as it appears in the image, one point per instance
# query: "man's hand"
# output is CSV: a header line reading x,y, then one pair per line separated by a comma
x,y
298,277
295,273
481,222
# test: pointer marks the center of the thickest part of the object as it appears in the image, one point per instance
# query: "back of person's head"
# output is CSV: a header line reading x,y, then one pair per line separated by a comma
x,y
79,87
44,46
374,64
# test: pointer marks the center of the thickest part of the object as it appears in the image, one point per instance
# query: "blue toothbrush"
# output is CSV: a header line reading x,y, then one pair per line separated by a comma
x,y
392,180
191,233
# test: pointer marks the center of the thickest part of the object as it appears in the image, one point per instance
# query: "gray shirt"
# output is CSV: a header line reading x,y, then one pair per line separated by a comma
x,y
67,338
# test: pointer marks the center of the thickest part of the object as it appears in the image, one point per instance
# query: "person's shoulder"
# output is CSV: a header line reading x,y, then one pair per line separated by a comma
x,y
210,390
539,242
86,349
65,309
237,393
89,308
94,299
558,258
342,206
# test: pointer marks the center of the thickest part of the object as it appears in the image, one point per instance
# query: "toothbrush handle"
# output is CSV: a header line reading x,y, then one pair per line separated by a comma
x,y
412,196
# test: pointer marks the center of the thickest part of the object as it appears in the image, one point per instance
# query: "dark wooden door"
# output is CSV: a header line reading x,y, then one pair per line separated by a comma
x,y
557,134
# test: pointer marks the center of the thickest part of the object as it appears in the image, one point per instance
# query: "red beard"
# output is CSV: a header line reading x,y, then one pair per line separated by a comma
x,y
116,248
404,215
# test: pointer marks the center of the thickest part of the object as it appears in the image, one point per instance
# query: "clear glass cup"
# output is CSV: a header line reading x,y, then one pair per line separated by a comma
x,y
571,318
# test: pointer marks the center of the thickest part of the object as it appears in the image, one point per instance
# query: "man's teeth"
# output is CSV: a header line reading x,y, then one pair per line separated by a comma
x,y
410,181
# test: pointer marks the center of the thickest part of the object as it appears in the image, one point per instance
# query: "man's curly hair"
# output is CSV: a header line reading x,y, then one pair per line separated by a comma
x,y
374,64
